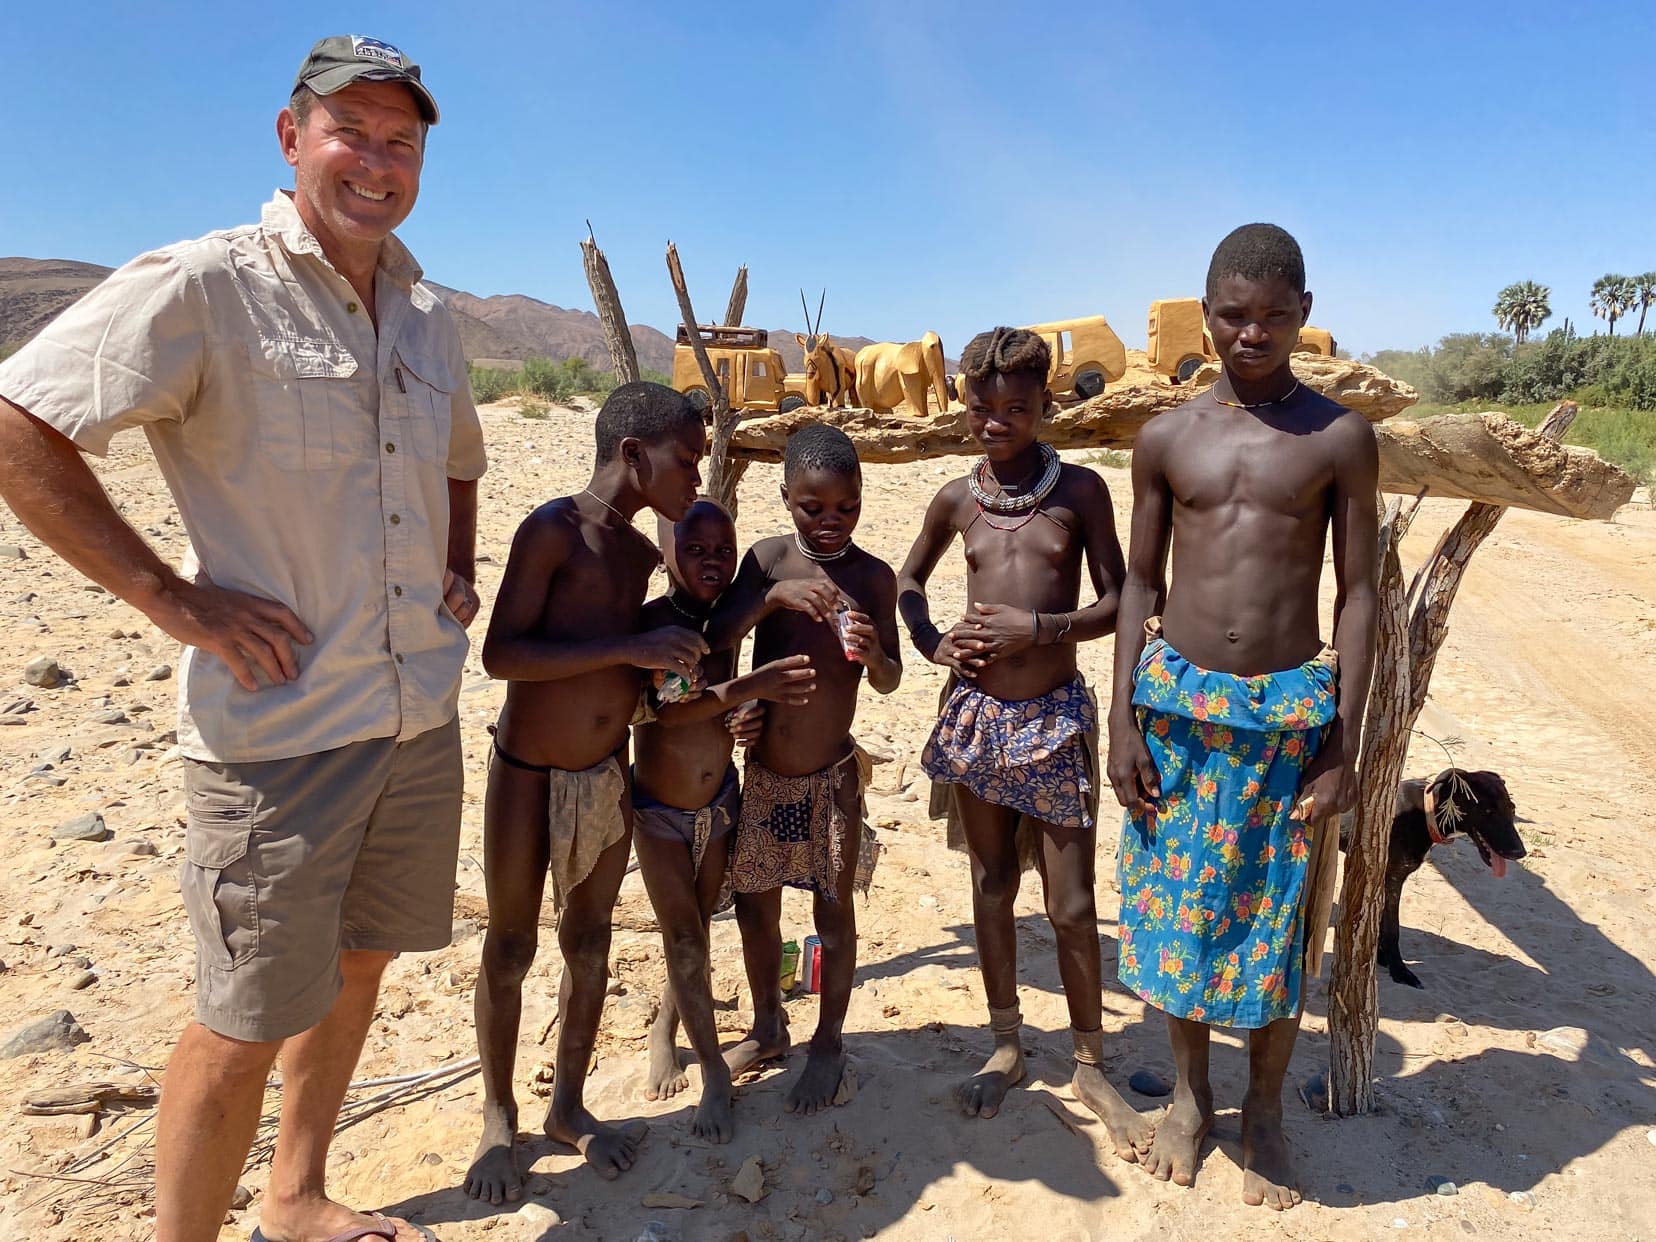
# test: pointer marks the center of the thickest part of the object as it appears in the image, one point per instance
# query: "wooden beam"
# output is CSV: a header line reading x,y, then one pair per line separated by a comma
x,y
1486,457
623,358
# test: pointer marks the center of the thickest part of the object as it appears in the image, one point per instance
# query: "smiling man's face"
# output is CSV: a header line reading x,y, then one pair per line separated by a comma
x,y
356,159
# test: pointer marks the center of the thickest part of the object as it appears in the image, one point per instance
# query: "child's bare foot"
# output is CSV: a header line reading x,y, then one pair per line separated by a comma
x,y
818,1082
1177,1145
1267,1169
714,1119
610,1150
493,1176
762,1043
1130,1130
665,1077
982,1093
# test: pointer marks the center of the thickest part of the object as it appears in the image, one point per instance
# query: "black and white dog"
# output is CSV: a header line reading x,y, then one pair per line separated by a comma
x,y
1429,813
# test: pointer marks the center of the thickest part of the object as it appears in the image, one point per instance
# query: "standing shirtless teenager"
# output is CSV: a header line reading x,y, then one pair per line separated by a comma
x,y
565,635
1233,729
1017,738
686,801
812,593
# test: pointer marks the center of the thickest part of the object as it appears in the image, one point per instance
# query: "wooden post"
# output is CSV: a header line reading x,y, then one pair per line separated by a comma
x,y
1405,654
623,358
737,307
1353,1013
722,473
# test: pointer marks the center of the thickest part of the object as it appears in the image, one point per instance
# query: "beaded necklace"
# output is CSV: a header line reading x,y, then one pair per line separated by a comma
x,y
999,501
1242,405
821,558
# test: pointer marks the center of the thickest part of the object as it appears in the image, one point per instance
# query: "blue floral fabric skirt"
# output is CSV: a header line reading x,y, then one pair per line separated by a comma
x,y
1213,883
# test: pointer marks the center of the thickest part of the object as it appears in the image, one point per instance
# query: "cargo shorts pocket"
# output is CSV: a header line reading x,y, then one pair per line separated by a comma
x,y
218,884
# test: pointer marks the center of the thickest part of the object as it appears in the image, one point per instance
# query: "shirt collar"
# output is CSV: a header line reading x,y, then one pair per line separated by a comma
x,y
281,220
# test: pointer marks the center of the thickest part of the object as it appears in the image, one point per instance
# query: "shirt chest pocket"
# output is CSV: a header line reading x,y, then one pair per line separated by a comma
x,y
304,400
421,389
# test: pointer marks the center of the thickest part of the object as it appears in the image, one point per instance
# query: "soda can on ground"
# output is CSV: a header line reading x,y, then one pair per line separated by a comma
x,y
812,962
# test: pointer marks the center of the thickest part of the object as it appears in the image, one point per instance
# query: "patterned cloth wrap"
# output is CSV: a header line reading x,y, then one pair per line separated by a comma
x,y
711,825
1214,885
792,830
1027,754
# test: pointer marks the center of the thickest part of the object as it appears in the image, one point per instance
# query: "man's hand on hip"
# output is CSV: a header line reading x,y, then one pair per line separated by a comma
x,y
246,632
462,601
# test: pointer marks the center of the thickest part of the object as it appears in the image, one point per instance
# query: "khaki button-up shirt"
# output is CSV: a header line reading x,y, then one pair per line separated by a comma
x,y
309,456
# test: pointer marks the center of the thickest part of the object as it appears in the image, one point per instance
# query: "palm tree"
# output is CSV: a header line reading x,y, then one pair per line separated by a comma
x,y
1613,296
1646,286
1523,307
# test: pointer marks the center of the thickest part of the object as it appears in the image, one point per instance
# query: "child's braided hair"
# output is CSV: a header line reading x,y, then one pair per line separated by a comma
x,y
1006,351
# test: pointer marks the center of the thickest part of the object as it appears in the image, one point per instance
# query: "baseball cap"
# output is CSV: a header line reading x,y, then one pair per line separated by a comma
x,y
337,61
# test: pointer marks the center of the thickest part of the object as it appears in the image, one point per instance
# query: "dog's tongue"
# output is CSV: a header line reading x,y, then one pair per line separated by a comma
x,y
1497,864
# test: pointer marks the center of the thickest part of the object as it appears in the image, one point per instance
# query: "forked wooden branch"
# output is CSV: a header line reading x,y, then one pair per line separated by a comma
x,y
611,318
721,479
1413,626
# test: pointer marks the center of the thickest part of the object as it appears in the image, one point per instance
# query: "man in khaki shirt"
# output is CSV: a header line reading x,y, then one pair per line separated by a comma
x,y
306,399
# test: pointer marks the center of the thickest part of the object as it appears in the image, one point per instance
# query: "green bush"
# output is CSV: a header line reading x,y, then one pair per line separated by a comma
x,y
1472,366
490,384
532,407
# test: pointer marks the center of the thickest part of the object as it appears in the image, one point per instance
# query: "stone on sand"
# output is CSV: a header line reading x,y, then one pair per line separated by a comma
x,y
749,1181
57,1033
88,827
43,671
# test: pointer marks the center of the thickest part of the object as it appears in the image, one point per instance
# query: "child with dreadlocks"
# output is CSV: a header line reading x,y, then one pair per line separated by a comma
x,y
1233,729
1016,744
812,593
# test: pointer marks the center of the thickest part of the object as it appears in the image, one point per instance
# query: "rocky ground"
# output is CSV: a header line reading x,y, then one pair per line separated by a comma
x,y
1522,1075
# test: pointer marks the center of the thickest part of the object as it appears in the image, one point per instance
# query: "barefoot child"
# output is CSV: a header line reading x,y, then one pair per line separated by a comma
x,y
812,593
1226,744
686,802
1016,744
565,635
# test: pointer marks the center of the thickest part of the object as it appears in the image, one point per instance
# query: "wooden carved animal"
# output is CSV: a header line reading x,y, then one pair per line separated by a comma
x,y
830,370
892,376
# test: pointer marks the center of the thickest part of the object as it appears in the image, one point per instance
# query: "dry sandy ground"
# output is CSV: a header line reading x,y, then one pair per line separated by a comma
x,y
1548,678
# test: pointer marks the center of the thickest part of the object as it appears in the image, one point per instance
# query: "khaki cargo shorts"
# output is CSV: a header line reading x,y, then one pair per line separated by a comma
x,y
289,861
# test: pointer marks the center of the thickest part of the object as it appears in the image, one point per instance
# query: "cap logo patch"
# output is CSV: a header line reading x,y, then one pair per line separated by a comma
x,y
373,49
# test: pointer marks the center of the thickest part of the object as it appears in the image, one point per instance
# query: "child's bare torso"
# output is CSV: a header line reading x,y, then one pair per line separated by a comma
x,y
1251,496
683,765
1028,561
575,722
798,740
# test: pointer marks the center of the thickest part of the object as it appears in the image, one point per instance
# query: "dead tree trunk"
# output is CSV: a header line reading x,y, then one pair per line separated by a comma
x,y
721,477
623,358
1353,1006
737,307
1395,703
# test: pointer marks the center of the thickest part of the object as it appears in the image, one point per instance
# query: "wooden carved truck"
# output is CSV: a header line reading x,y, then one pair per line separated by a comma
x,y
1178,343
752,374
1086,355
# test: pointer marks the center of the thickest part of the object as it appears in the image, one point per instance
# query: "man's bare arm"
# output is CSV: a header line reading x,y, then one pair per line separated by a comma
x,y
462,532
754,596
48,484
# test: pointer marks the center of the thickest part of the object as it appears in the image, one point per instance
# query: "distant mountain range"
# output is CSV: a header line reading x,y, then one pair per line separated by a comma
x,y
502,328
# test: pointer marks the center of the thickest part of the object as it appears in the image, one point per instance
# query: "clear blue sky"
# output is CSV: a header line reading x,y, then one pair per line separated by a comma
x,y
940,167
